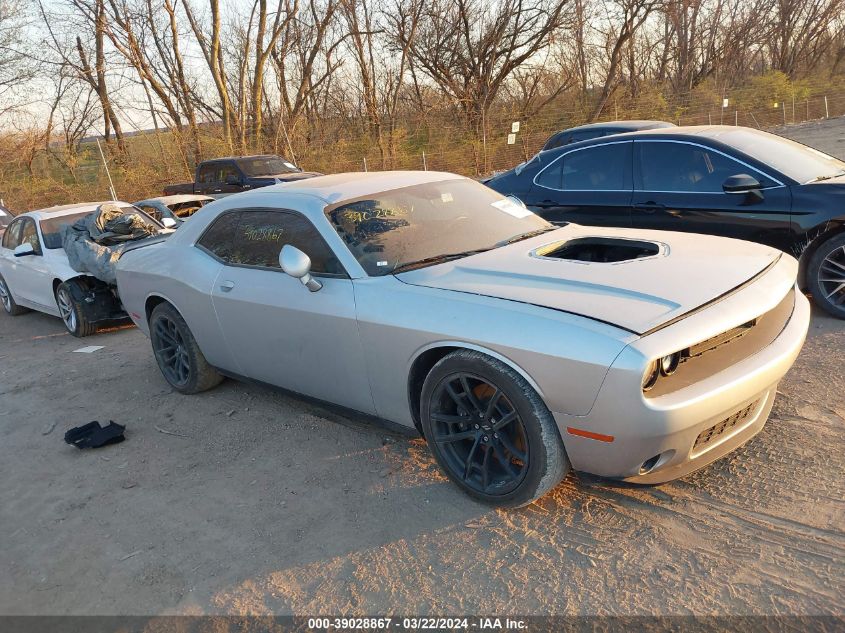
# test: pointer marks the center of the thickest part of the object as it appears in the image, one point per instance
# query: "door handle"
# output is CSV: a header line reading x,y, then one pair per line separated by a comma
x,y
226,286
545,204
649,207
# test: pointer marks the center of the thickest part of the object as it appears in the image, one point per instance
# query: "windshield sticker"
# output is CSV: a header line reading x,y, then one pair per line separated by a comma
x,y
446,197
382,263
511,208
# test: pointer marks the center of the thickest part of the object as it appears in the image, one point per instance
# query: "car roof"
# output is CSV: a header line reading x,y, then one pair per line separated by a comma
x,y
622,125
347,186
68,209
175,199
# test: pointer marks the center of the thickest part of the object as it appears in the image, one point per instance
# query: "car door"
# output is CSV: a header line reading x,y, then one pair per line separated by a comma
x,y
278,331
678,187
31,280
587,185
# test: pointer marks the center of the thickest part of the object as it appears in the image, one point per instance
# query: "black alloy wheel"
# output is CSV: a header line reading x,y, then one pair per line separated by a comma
x,y
480,434
171,351
179,358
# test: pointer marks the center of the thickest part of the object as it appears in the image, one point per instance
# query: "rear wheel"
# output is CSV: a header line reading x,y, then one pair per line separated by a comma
x,y
176,351
826,276
72,313
8,300
490,431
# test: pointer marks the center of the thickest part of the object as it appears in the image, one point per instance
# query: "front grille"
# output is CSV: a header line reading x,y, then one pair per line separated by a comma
x,y
717,430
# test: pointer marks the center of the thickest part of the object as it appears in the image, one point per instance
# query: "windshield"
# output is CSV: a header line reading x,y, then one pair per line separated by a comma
x,y
801,163
399,227
266,166
51,228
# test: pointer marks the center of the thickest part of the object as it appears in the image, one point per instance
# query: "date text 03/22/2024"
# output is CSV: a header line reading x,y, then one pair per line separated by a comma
x,y
418,623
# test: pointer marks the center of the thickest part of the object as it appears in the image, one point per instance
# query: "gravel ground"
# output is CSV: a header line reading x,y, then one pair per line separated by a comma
x,y
242,500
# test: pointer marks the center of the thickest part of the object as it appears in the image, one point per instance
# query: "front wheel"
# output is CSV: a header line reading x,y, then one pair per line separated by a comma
x,y
826,276
73,316
176,351
490,430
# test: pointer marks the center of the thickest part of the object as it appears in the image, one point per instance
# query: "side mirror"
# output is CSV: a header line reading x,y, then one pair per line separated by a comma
x,y
297,264
22,250
232,179
741,183
169,223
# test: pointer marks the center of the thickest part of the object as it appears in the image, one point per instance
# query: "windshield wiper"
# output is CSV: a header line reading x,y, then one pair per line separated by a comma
x,y
527,235
436,259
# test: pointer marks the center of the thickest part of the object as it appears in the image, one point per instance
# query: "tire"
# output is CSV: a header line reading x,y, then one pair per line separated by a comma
x,y
72,314
8,301
826,276
176,351
466,399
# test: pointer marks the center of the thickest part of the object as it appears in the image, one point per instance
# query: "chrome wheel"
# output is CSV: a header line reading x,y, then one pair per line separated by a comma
x,y
66,309
171,351
5,297
479,434
832,276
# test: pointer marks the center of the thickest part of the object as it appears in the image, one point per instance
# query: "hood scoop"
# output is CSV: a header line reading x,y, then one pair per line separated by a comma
x,y
604,250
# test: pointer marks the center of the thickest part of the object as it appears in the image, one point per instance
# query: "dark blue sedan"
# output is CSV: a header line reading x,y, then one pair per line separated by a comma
x,y
728,181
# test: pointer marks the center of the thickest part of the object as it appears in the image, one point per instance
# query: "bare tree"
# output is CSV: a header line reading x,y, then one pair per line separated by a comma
x,y
470,48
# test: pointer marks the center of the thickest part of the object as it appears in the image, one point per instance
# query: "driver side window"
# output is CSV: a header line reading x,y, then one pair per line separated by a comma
x,y
255,238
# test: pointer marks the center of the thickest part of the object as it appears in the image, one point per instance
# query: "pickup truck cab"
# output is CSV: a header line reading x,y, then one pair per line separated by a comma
x,y
224,176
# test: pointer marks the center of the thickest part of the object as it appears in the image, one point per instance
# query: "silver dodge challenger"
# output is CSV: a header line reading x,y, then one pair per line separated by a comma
x,y
518,349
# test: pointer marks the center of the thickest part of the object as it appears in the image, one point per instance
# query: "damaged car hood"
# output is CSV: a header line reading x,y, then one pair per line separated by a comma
x,y
686,272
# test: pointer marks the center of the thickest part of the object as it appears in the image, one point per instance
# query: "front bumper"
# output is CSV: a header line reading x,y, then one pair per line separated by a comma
x,y
684,430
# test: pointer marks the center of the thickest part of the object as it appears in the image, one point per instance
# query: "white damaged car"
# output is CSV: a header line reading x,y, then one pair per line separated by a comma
x,y
520,350
35,273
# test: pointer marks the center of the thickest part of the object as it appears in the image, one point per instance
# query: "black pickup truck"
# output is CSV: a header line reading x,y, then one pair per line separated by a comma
x,y
225,176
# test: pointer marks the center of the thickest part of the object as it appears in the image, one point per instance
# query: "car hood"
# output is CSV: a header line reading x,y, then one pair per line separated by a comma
x,y
290,177
688,271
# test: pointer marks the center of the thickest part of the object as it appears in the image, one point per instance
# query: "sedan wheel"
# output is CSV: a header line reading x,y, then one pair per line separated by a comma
x,y
827,276
66,310
490,431
72,313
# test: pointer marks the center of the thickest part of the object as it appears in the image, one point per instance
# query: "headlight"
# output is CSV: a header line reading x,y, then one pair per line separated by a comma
x,y
652,372
669,363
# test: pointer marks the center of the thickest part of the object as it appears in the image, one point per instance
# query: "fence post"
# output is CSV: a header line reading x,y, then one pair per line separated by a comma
x,y
736,118
365,163
826,111
783,103
425,166
808,110
710,118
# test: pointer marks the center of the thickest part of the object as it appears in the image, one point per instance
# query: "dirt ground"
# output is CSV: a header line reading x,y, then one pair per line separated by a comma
x,y
242,500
